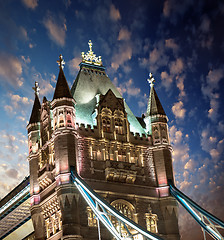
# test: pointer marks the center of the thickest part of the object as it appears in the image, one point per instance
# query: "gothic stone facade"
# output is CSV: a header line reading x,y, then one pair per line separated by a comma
x,y
91,129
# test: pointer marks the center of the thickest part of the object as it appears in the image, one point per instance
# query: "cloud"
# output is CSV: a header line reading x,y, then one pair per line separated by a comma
x,y
124,34
17,100
209,89
172,9
176,67
170,43
74,65
11,69
205,24
211,144
166,80
9,109
127,88
178,110
30,3
56,29
124,54
180,86
114,13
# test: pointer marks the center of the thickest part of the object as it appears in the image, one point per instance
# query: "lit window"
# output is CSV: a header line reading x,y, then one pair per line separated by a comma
x,y
92,221
128,210
118,126
151,222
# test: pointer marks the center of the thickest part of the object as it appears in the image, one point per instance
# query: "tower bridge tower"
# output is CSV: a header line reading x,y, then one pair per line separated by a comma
x,y
125,159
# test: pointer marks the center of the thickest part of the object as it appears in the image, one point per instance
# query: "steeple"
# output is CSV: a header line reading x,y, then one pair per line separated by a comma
x,y
154,105
35,115
62,88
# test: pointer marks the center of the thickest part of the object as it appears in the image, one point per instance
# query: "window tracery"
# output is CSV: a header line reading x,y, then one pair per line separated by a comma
x,y
151,221
106,122
128,210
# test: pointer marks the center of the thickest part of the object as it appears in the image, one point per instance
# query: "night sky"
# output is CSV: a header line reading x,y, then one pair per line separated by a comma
x,y
180,42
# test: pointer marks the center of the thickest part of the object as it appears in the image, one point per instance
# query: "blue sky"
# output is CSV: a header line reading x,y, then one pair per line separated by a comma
x,y
180,42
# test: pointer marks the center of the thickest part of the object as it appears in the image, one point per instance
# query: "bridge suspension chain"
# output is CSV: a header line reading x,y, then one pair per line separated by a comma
x,y
206,220
126,230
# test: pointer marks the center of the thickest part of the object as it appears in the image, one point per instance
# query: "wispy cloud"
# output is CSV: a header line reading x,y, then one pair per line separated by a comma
x,y
123,54
127,88
124,34
210,87
56,29
74,65
11,69
114,13
30,3
179,110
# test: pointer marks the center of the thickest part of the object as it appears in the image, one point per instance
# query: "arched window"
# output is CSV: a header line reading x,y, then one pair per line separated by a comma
x,y
128,210
151,222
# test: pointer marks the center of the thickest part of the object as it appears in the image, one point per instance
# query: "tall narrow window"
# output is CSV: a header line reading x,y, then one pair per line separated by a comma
x,y
118,125
151,221
92,221
106,124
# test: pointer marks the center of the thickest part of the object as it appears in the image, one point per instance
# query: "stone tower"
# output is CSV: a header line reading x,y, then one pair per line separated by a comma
x,y
125,159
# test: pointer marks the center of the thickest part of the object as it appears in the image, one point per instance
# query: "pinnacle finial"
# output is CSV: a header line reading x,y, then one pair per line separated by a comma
x,y
90,45
36,88
151,80
61,62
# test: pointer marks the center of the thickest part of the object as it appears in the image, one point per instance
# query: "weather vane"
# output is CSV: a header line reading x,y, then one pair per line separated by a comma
x,y
36,88
61,62
151,79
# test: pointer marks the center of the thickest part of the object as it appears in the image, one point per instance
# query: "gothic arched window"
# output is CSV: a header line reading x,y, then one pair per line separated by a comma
x,y
106,124
128,210
151,222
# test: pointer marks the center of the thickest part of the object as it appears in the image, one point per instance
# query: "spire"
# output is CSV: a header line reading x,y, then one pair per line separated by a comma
x,y
62,88
154,105
35,115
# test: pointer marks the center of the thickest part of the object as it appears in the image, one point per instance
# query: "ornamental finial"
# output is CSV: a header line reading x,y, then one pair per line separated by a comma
x,y
90,45
36,88
90,57
151,80
61,62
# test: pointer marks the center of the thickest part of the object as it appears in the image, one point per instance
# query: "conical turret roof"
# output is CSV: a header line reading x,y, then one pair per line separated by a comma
x,y
154,104
35,115
62,88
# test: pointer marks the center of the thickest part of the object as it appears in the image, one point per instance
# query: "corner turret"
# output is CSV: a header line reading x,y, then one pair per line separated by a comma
x,y
156,119
63,102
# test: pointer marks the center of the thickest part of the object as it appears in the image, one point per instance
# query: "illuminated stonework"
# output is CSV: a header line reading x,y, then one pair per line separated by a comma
x,y
52,217
90,57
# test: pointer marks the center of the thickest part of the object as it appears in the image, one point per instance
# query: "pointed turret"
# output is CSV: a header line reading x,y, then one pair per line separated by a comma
x,y
35,115
154,109
62,89
34,124
154,104
63,103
